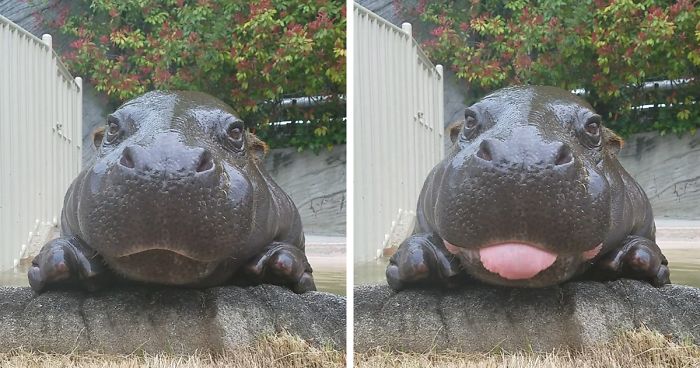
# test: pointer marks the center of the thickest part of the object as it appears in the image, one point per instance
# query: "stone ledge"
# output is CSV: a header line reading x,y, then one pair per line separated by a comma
x,y
142,319
479,318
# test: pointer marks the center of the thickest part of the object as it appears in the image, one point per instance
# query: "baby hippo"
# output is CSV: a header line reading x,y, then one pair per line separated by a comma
x,y
531,194
178,196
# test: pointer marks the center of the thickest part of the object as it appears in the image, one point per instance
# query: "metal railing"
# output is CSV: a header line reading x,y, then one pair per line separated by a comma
x,y
398,125
40,138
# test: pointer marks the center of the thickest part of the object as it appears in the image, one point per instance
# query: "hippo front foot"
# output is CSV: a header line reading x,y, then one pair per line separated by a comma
x,y
638,258
66,262
422,260
280,264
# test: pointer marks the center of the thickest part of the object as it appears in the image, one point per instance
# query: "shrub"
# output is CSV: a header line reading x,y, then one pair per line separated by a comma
x,y
249,54
609,48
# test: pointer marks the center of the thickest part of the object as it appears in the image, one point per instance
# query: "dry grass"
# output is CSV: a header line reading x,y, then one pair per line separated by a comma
x,y
278,351
630,350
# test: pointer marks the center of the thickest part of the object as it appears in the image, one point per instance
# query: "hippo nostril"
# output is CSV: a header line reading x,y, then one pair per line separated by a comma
x,y
127,158
563,156
205,162
484,151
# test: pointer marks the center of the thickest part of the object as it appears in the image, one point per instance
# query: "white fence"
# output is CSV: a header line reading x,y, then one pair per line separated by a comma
x,y
398,125
40,138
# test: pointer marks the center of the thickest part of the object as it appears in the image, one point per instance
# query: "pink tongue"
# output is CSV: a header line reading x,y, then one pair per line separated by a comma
x,y
516,261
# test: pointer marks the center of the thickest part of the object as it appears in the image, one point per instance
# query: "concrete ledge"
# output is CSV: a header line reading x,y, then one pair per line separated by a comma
x,y
480,318
135,319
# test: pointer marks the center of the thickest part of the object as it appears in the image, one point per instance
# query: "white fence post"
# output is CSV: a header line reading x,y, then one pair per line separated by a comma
x,y
37,159
398,126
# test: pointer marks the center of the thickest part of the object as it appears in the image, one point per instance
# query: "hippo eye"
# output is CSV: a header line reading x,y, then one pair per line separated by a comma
x,y
471,124
113,129
592,126
236,135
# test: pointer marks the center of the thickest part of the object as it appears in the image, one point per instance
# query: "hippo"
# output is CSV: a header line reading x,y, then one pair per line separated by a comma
x,y
177,195
530,194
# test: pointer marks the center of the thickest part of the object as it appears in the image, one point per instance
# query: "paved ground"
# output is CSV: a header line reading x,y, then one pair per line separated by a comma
x,y
678,234
326,251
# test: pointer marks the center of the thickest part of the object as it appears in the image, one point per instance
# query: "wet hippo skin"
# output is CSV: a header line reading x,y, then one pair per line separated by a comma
x,y
531,194
178,196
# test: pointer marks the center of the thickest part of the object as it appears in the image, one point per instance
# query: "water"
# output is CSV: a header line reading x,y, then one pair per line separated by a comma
x,y
332,281
683,263
16,277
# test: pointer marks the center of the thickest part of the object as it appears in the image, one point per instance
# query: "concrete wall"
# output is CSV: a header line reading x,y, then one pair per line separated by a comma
x,y
316,184
668,168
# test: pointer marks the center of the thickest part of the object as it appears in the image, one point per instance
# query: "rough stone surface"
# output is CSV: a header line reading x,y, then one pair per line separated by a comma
x,y
133,319
316,183
667,168
479,318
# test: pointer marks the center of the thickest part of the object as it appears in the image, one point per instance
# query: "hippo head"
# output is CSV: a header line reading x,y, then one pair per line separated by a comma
x,y
173,190
522,198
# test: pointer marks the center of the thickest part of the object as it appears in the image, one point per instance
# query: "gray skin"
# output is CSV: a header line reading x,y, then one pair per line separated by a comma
x,y
177,195
531,165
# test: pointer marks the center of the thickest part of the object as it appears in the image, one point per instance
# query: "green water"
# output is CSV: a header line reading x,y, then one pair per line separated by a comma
x,y
683,263
332,281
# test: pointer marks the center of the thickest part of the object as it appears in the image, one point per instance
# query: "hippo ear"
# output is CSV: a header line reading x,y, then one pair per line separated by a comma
x,y
97,136
257,147
454,129
613,142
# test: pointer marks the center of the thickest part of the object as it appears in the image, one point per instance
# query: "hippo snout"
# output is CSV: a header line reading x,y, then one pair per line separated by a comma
x,y
166,157
495,151
186,161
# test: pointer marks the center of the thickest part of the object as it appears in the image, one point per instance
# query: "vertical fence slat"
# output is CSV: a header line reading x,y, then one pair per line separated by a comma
x,y
13,222
398,123
37,162
4,116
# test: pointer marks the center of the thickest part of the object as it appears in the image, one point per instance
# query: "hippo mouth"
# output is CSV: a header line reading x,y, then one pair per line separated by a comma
x,y
174,252
515,260
163,266
170,251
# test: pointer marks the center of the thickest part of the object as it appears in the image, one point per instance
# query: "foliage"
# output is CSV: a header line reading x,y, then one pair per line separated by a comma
x,y
608,47
326,127
249,54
